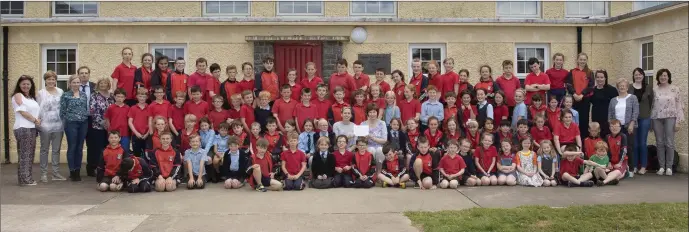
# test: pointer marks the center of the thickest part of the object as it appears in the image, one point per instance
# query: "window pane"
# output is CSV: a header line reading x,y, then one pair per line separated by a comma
x,y
644,49
436,54
650,49
530,8
51,66
540,54
358,7
598,8
285,7
5,5
426,54
300,7
387,7
179,52
50,55
503,8
315,8
212,7
585,8
91,8
62,55
650,63
61,8
72,68
241,7
521,67
62,85
517,8
62,69
415,53
372,7
530,52
71,55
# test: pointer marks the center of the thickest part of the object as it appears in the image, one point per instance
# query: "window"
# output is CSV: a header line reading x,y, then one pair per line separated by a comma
x,y
373,8
586,9
62,59
12,8
647,57
171,51
519,9
525,51
240,8
75,8
300,8
427,52
640,5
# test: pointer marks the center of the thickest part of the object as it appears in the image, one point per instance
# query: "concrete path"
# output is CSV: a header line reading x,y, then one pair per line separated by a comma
x,y
68,206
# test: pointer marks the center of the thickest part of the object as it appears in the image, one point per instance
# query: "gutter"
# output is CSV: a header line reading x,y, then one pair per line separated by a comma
x,y
5,89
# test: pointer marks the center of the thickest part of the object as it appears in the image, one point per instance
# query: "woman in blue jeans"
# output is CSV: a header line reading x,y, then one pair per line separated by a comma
x,y
643,90
74,113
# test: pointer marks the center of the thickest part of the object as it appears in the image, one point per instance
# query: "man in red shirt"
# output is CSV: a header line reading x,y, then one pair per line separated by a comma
x,y
196,106
200,78
536,82
283,109
360,78
342,78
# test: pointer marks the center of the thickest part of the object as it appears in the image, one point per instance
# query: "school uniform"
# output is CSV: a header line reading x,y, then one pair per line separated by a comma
x,y
364,165
140,170
235,165
195,157
166,163
261,115
430,163
394,168
110,164
470,169
139,118
323,163
343,179
330,135
400,141
294,161
266,165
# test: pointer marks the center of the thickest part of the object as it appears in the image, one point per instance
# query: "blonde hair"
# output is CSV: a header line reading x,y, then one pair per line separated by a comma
x,y
390,93
621,81
189,118
49,74
552,148
472,122
71,78
264,94
106,80
520,90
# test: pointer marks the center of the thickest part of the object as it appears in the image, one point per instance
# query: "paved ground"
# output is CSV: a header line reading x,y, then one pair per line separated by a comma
x,y
68,206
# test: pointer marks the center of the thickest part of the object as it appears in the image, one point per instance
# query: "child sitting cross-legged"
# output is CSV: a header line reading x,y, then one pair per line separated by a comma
x,y
166,163
235,163
606,175
507,168
527,165
196,160
570,165
394,169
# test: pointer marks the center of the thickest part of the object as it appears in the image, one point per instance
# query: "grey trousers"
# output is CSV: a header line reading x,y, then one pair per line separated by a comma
x,y
664,130
50,140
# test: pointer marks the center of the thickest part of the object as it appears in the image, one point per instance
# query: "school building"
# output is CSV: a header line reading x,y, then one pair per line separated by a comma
x,y
617,36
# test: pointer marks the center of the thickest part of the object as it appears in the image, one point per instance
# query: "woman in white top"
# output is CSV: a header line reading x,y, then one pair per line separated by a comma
x,y
625,108
51,129
26,120
346,127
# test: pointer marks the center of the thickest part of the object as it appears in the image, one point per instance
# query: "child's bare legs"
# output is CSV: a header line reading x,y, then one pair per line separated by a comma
x,y
115,187
511,180
170,184
385,179
585,177
471,181
599,173
160,184
257,175
216,163
546,183
103,187
485,180
493,180
502,179
454,184
614,175
427,183
236,184
569,178
444,184
275,185
408,156
404,178
418,169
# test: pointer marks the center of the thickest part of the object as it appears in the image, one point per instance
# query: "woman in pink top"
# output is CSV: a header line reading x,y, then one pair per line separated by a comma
x,y
667,113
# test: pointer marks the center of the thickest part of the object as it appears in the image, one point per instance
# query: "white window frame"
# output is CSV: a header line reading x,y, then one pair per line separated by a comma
x,y
605,3
44,59
537,15
205,12
443,54
546,57
153,47
641,56
75,15
16,15
640,5
277,9
393,14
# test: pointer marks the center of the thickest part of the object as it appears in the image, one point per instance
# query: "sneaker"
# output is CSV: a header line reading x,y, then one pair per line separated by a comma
x,y
600,183
260,188
403,185
58,176
668,172
614,182
385,185
635,170
661,171
642,171
44,178
630,174
32,183
587,183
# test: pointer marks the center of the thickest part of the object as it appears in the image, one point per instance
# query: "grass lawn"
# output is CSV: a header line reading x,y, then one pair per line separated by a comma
x,y
628,217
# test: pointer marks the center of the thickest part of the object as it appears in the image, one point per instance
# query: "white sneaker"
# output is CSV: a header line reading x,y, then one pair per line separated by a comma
x,y
668,172
661,171
57,176
44,178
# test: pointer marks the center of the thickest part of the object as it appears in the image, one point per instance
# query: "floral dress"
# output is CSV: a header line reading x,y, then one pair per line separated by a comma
x,y
98,105
528,162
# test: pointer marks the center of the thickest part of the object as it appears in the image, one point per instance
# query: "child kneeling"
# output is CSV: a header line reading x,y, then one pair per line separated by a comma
x,y
235,163
165,163
322,166
451,166
110,164
196,159
293,164
425,165
135,174
394,169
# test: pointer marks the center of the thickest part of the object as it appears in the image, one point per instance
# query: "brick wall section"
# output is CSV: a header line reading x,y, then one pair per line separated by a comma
x,y
262,49
332,52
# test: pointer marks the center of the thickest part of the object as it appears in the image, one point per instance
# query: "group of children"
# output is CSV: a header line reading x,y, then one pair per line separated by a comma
x,y
436,137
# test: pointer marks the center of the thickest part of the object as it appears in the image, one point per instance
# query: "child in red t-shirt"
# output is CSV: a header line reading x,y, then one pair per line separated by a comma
x,y
364,166
283,109
413,133
570,166
292,85
425,166
116,118
293,164
378,97
190,128
322,104
593,138
109,164
451,166
139,121
262,169
540,132
343,164
507,167
536,108
485,157
567,132
246,114
450,106
380,81
359,106
305,109
500,110
410,108
486,82
218,114
176,113
196,106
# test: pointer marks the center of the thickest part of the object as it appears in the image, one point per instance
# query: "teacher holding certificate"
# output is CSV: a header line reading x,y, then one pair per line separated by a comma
x,y
377,134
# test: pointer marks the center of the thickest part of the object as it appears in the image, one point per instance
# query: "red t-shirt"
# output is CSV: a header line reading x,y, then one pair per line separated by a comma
x,y
380,102
450,111
509,87
466,113
125,79
231,88
199,109
399,91
449,80
540,135
590,146
247,85
177,116
499,112
296,92
235,113
201,80
321,107
293,160
342,160
359,113
336,109
269,82
413,136
218,117
212,84
571,167
437,81
117,115
532,78
452,165
487,158
140,117
567,134
384,87
416,81
160,109
312,85
284,109
362,80
426,163
553,117
184,137
433,139
409,109
247,113
302,112
346,81
557,78
265,163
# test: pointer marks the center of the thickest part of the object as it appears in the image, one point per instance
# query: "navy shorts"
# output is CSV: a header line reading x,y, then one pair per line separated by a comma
x,y
265,181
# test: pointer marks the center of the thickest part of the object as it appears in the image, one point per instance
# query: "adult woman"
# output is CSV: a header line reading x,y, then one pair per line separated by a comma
x,y
644,93
26,111
142,76
74,112
667,113
123,76
346,127
98,135
51,128
377,134
159,75
600,101
625,108
581,81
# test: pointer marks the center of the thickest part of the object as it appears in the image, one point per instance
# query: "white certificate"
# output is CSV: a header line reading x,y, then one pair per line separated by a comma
x,y
361,130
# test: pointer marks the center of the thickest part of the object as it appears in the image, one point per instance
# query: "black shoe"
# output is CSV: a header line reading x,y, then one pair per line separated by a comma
x,y
614,182
91,172
72,175
587,183
77,175
600,183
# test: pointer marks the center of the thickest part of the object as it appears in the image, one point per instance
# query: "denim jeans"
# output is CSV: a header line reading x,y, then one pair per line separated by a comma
x,y
640,143
124,141
76,134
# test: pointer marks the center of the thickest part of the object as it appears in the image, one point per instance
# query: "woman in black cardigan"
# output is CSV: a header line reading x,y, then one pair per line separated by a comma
x,y
600,100
322,165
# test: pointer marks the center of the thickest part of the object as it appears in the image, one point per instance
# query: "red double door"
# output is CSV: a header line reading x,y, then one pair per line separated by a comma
x,y
295,56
